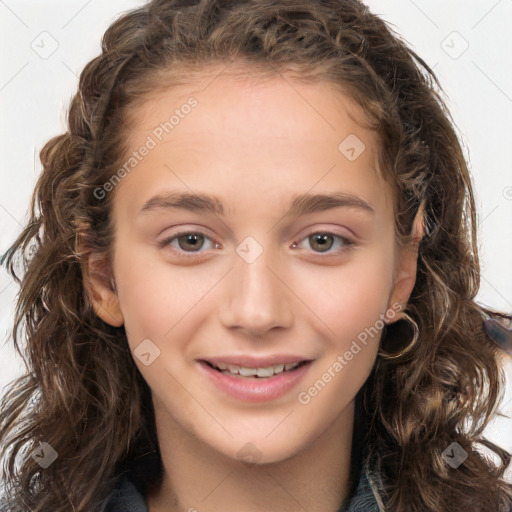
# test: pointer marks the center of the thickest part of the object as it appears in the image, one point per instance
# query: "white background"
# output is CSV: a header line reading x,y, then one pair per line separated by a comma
x,y
467,42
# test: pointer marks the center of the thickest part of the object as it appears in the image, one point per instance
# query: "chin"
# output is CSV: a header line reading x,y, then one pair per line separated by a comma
x,y
261,453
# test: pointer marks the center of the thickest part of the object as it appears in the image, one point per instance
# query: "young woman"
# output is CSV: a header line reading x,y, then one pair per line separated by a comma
x,y
250,276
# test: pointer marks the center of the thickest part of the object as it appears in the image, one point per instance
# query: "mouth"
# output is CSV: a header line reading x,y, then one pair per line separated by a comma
x,y
255,379
262,372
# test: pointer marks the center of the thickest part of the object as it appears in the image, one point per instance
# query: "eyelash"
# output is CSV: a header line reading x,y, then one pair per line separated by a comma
x,y
348,244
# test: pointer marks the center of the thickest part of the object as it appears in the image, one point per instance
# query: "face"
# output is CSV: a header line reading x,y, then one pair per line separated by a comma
x,y
260,273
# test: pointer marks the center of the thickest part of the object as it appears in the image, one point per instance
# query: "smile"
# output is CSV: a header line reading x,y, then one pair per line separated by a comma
x,y
257,383
264,372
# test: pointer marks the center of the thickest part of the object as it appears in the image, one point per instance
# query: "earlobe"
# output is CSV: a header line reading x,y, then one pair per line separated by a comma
x,y
100,288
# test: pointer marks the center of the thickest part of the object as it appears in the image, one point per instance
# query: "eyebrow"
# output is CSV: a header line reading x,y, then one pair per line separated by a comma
x,y
300,205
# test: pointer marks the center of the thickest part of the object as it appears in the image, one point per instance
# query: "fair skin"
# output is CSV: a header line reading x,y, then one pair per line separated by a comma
x,y
255,145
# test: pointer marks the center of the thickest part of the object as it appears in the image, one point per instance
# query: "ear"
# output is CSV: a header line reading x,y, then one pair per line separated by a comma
x,y
407,264
100,288
404,280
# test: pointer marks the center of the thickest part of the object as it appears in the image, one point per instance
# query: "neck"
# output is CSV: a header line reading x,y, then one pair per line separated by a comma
x,y
197,477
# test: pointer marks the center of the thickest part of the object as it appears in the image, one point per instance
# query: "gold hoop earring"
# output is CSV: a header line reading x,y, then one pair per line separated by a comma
x,y
416,334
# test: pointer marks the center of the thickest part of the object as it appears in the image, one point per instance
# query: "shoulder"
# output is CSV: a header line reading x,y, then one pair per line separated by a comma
x,y
125,497
364,499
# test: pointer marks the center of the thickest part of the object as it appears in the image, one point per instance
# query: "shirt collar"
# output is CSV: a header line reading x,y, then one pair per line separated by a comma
x,y
126,497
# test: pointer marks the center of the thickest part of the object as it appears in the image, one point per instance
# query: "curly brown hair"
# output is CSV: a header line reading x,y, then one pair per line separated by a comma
x,y
83,393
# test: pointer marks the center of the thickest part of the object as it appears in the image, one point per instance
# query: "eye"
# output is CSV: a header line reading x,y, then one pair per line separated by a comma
x,y
188,242
324,241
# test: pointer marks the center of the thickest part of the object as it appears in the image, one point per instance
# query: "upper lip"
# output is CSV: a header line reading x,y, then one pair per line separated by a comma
x,y
248,361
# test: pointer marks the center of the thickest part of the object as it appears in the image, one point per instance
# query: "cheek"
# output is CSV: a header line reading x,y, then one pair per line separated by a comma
x,y
349,298
162,302
348,312
150,293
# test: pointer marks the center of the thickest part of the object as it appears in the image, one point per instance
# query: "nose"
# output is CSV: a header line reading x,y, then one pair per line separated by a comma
x,y
258,297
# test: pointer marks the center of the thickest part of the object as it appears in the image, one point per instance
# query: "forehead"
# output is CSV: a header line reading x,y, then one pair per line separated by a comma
x,y
250,97
257,131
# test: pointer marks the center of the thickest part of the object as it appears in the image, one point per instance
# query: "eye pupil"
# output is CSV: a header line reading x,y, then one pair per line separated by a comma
x,y
193,240
320,238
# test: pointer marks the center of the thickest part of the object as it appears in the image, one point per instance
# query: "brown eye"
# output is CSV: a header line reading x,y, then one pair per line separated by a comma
x,y
191,241
189,244
322,241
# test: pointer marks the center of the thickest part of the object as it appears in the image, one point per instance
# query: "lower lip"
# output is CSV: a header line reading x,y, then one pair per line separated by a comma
x,y
251,389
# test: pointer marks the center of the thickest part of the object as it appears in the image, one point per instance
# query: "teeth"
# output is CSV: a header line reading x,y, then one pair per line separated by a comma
x,y
244,372
268,371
